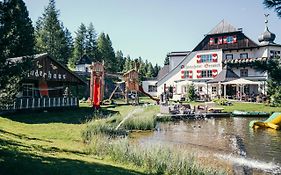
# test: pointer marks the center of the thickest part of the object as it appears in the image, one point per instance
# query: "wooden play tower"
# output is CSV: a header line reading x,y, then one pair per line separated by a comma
x,y
97,84
132,87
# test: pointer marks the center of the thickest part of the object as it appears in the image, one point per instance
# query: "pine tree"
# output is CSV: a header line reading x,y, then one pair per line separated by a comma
x,y
273,69
142,69
120,61
79,45
69,44
156,70
276,4
16,39
91,43
107,52
127,64
50,34
17,29
166,61
149,73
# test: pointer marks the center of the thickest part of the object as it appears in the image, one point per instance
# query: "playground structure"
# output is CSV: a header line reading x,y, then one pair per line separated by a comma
x,y
130,82
130,79
97,84
273,122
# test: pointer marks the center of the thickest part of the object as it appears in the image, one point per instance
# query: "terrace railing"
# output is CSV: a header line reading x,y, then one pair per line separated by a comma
x,y
39,103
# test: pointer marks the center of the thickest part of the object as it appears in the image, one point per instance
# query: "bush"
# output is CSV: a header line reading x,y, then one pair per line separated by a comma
x,y
220,101
191,93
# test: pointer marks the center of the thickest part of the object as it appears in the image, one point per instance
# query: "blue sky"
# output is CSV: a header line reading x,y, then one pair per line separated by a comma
x,y
151,29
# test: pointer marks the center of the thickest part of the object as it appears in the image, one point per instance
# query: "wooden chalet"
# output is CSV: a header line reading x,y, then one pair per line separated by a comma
x,y
48,84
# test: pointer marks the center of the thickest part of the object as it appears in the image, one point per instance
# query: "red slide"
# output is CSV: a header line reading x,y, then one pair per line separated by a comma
x,y
96,96
147,94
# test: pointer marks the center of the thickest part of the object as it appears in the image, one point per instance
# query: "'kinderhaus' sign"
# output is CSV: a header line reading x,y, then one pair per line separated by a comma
x,y
46,68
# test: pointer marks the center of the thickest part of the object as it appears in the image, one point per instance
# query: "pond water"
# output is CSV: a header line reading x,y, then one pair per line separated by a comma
x,y
226,139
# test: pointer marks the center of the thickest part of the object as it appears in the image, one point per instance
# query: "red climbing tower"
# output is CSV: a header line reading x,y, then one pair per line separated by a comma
x,y
97,84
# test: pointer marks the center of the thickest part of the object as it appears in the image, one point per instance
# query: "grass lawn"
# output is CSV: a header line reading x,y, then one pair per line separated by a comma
x,y
51,143
251,107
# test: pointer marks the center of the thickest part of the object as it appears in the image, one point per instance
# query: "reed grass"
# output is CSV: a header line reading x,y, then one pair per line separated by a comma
x,y
105,126
144,119
154,159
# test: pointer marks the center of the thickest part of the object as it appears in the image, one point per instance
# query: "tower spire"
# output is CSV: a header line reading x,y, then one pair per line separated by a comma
x,y
266,37
266,20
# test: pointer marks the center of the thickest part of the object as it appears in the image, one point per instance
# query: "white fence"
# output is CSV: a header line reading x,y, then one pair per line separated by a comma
x,y
37,103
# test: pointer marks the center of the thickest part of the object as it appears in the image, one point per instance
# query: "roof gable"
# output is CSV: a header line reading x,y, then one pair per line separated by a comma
x,y
47,68
223,27
226,41
225,36
84,60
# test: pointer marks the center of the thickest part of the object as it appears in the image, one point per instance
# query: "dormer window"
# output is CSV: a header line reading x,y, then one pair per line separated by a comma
x,y
243,55
216,40
274,54
223,40
229,56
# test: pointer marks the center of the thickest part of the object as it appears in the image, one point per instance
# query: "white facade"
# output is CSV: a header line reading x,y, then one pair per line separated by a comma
x,y
200,66
83,67
150,87
190,70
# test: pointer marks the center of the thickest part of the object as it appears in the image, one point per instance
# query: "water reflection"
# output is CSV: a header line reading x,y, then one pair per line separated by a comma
x,y
226,136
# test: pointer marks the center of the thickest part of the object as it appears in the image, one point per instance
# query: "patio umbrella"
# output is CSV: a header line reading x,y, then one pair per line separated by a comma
x,y
241,81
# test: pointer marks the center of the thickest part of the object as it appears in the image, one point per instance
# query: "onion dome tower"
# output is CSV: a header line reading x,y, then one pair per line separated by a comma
x,y
266,37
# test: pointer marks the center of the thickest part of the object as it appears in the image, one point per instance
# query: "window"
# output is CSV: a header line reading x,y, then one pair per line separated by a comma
x,y
206,58
206,73
216,40
243,55
229,56
152,88
185,89
274,53
200,89
214,90
243,72
27,90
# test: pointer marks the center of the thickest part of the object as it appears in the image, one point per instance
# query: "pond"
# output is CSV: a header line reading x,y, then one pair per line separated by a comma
x,y
229,140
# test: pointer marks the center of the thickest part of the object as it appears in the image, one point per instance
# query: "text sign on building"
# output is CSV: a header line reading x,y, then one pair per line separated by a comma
x,y
199,66
47,69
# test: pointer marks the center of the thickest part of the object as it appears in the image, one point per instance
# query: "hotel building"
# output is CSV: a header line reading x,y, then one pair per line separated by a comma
x,y
224,54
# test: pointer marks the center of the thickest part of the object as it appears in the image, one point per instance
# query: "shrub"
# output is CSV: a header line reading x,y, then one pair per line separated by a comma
x,y
220,101
191,93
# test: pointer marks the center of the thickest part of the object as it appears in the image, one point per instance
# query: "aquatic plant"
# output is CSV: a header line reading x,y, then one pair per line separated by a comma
x,y
102,126
140,119
154,159
144,122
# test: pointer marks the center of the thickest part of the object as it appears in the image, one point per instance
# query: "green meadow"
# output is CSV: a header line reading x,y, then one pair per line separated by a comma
x,y
59,141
